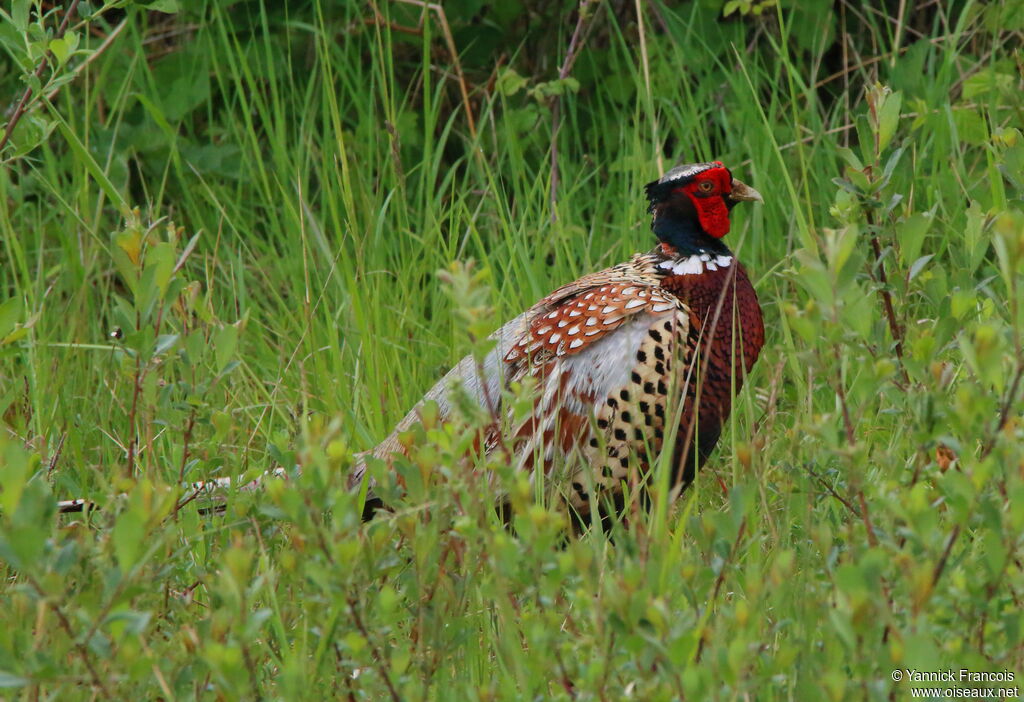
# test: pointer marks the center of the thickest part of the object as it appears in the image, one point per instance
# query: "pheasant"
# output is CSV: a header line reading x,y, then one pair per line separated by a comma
x,y
626,359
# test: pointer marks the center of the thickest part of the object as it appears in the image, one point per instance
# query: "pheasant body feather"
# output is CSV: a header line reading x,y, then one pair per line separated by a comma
x,y
624,358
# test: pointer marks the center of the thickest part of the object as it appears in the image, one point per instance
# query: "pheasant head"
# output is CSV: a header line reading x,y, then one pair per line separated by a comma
x,y
691,205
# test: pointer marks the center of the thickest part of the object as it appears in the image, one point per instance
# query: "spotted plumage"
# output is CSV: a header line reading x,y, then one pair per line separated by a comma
x,y
628,357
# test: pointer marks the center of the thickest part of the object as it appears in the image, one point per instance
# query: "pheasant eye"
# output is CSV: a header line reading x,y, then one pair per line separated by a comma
x,y
706,186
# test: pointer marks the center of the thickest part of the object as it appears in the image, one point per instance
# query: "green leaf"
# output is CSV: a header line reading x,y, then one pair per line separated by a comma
x,y
72,38
975,243
162,258
510,82
10,313
19,15
910,234
12,680
959,493
128,622
128,536
815,278
169,7
995,552
32,130
971,127
27,531
159,267
224,346
859,312
986,81
17,467
164,342
919,265
962,302
67,557
551,88
851,158
799,323
839,244
888,119
60,50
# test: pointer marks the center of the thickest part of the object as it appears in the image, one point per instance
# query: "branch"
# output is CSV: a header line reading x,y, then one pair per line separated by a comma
x,y
382,667
449,41
890,313
556,108
22,107
79,646
832,491
941,565
721,578
1004,412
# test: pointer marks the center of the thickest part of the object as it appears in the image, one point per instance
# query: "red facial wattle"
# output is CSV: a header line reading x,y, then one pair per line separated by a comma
x,y
711,208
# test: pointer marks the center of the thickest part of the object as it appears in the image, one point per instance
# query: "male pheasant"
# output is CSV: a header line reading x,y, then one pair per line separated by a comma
x,y
622,355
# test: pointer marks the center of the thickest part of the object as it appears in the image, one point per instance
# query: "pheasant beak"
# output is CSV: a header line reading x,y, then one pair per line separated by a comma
x,y
741,192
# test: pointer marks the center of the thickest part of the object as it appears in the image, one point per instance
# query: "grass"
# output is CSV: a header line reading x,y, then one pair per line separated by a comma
x,y
862,514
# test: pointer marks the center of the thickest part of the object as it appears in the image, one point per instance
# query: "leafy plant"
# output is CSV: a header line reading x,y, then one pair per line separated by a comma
x,y
320,163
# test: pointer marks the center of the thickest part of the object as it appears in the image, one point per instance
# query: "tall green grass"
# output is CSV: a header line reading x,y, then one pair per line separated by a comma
x,y
326,167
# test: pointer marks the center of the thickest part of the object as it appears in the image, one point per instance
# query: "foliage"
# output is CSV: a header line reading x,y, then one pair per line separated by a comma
x,y
321,163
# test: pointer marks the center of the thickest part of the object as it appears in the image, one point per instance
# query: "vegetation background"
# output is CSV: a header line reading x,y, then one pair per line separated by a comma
x,y
220,230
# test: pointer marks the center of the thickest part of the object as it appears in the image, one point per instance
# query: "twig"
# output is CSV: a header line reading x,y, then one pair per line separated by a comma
x,y
450,43
941,565
107,42
382,669
564,680
832,491
379,21
189,427
1004,412
869,213
22,107
55,458
136,391
79,646
865,517
890,313
196,492
851,438
873,60
250,665
721,578
556,107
